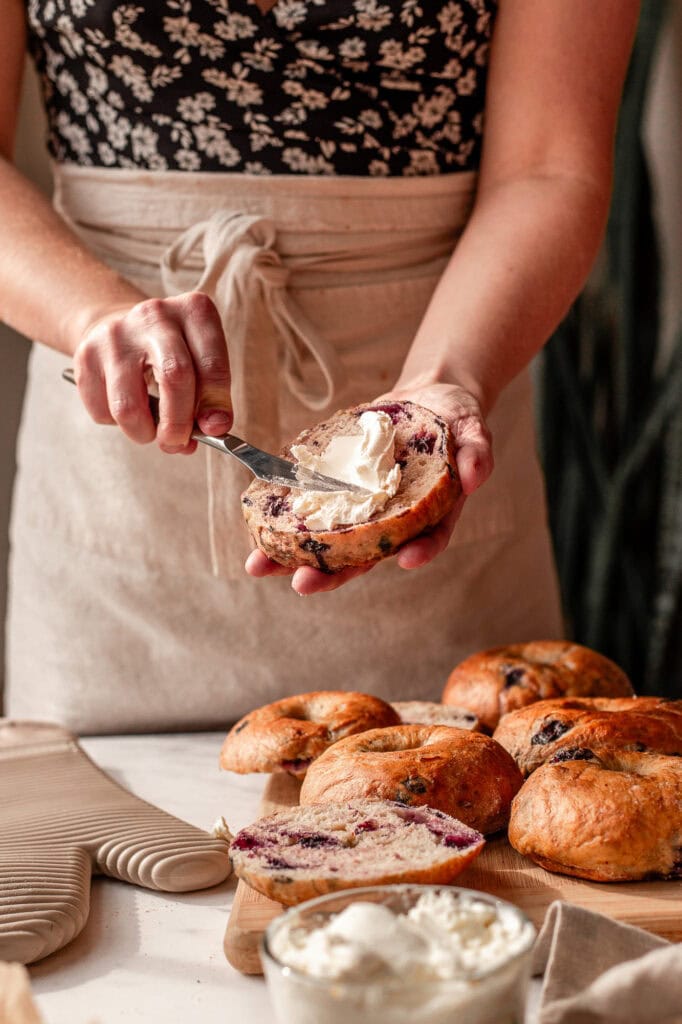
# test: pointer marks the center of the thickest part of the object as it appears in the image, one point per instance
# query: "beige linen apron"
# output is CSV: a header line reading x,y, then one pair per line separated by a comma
x,y
129,608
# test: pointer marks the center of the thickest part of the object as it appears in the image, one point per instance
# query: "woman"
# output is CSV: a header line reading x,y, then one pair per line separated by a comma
x,y
301,184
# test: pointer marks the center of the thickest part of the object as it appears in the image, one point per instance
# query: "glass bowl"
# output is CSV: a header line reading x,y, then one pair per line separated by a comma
x,y
479,995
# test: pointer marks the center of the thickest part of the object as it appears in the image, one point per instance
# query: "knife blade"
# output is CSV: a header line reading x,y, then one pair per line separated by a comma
x,y
263,465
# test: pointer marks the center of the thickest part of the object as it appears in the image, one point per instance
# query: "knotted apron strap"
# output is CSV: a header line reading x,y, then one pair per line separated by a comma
x,y
240,268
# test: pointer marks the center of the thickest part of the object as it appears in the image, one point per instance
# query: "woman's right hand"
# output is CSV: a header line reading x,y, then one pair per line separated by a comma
x,y
177,341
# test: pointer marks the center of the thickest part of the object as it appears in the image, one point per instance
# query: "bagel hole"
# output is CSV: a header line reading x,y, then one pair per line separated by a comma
x,y
296,766
389,745
298,715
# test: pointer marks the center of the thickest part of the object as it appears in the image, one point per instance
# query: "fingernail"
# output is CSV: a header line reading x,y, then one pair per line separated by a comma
x,y
215,419
172,449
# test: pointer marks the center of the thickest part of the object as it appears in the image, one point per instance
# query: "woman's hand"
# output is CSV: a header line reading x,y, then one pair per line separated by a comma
x,y
462,413
179,342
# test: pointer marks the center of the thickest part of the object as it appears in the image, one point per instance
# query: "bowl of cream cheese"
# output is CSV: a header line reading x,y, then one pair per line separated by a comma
x,y
404,954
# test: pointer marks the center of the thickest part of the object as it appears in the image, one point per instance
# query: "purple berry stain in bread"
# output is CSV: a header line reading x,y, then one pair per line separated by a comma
x,y
310,839
279,862
459,842
513,676
275,505
246,842
241,726
572,754
550,731
247,501
317,840
424,442
425,815
385,545
393,409
367,826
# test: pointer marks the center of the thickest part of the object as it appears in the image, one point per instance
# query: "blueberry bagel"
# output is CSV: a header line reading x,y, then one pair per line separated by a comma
x,y
294,855
288,734
429,488
539,733
494,682
463,773
606,815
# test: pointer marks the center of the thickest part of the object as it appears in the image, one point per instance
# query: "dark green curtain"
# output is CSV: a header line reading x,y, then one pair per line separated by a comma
x,y
610,420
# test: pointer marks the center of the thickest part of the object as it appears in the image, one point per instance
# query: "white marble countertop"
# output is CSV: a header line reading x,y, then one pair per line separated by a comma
x,y
148,956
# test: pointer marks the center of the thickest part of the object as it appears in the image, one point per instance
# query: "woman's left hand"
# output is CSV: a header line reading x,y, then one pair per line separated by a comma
x,y
462,412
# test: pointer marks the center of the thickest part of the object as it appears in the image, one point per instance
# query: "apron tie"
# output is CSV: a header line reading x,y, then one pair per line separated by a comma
x,y
268,338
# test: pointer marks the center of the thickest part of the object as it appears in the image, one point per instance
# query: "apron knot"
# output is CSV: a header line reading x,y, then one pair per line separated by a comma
x,y
240,268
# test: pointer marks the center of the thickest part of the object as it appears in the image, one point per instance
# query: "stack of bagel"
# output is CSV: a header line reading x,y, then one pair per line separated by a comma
x,y
390,793
603,795
601,800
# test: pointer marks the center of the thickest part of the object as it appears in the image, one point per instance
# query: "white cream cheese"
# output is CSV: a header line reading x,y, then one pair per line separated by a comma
x,y
448,956
221,830
365,459
440,937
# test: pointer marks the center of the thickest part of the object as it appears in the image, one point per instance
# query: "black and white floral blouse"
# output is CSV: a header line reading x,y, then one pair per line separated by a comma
x,y
364,87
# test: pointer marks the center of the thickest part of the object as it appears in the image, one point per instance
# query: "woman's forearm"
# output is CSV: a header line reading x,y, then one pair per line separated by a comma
x,y
521,261
51,287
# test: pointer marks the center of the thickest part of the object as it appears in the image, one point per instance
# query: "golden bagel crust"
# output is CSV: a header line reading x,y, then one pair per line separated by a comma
x,y
289,733
429,489
465,774
614,817
535,734
497,681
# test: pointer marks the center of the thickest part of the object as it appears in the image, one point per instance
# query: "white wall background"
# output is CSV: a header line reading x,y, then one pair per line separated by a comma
x,y
663,137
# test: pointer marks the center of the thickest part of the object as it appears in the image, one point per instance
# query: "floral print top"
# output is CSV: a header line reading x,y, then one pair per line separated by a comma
x,y
362,87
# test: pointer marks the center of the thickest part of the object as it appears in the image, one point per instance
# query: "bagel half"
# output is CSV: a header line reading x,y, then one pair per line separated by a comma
x,y
429,489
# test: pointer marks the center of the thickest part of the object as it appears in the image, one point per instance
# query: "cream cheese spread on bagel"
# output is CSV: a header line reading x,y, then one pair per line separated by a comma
x,y
366,459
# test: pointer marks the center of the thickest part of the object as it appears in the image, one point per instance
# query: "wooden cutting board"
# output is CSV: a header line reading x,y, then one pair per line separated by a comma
x,y
500,870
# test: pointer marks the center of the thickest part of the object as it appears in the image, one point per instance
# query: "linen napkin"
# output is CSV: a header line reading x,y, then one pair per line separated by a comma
x,y
599,971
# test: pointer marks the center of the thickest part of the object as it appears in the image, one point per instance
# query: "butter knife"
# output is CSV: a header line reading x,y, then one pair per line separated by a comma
x,y
263,465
